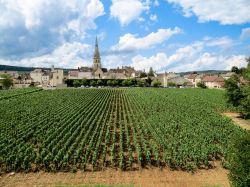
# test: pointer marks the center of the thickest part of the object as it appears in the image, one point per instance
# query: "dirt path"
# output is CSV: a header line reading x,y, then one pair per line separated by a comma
x,y
145,177
245,124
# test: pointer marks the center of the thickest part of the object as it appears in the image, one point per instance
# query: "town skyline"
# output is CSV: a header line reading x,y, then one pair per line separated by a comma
x,y
169,35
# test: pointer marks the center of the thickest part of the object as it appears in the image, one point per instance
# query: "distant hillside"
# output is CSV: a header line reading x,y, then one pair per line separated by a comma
x,y
23,69
15,68
205,72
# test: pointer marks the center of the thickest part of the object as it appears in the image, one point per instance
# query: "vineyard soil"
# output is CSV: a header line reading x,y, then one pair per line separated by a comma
x,y
146,177
245,124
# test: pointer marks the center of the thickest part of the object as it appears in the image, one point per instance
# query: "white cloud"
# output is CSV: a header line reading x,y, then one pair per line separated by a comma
x,y
153,17
192,57
158,61
66,56
223,11
245,34
223,42
156,3
38,27
127,11
130,42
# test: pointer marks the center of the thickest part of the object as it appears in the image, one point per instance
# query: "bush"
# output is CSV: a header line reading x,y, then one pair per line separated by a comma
x,y
156,83
142,83
99,83
7,81
92,83
76,83
171,84
201,85
239,163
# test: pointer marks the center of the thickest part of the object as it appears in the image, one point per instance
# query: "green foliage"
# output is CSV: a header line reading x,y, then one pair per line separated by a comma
x,y
151,72
143,74
201,85
7,81
77,83
127,82
234,93
90,129
110,83
93,83
85,82
142,83
155,83
235,69
239,164
238,90
99,82
171,84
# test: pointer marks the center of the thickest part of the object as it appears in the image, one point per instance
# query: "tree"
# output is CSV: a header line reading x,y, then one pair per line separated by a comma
x,y
151,72
143,74
156,83
142,83
238,91
99,82
248,62
76,83
109,83
239,161
201,85
115,82
92,83
84,82
7,81
234,93
235,69
128,82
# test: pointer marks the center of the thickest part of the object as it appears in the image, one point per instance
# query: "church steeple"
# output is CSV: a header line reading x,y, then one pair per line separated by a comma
x,y
97,58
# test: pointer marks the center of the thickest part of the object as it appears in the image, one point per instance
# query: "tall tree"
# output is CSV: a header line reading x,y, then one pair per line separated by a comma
x,y
7,81
151,72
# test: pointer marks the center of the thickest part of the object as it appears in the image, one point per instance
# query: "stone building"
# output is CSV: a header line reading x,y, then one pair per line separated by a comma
x,y
98,72
53,77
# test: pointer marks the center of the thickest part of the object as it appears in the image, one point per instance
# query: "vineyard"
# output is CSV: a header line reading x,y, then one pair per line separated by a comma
x,y
92,129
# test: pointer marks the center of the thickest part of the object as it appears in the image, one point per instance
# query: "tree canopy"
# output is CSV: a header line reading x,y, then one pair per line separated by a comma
x,y
7,81
238,89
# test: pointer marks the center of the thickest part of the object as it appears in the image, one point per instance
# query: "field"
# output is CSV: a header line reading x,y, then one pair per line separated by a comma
x,y
129,129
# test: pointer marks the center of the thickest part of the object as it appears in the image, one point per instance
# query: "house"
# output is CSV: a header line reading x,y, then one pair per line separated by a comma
x,y
180,81
165,77
194,78
227,75
22,81
13,74
213,81
53,77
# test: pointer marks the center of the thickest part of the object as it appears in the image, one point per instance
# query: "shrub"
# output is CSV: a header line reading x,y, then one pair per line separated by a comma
x,y
239,163
156,83
201,85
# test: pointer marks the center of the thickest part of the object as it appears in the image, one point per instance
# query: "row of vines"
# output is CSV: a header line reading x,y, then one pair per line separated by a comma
x,y
92,129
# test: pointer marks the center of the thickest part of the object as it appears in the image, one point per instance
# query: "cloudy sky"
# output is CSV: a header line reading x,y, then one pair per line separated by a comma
x,y
168,35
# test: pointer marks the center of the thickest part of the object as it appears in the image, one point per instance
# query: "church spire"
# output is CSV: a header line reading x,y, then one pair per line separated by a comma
x,y
97,58
96,54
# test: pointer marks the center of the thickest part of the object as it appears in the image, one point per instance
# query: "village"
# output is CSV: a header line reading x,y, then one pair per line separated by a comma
x,y
99,76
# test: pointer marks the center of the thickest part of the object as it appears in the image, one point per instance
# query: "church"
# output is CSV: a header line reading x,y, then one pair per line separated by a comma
x,y
98,72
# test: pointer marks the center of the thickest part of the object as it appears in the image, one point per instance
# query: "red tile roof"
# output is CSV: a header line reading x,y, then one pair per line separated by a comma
x,y
212,78
192,76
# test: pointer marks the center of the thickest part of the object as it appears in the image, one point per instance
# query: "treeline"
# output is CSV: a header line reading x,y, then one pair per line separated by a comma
x,y
238,89
113,82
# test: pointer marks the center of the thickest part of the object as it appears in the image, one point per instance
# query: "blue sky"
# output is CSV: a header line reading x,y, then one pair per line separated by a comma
x,y
168,35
